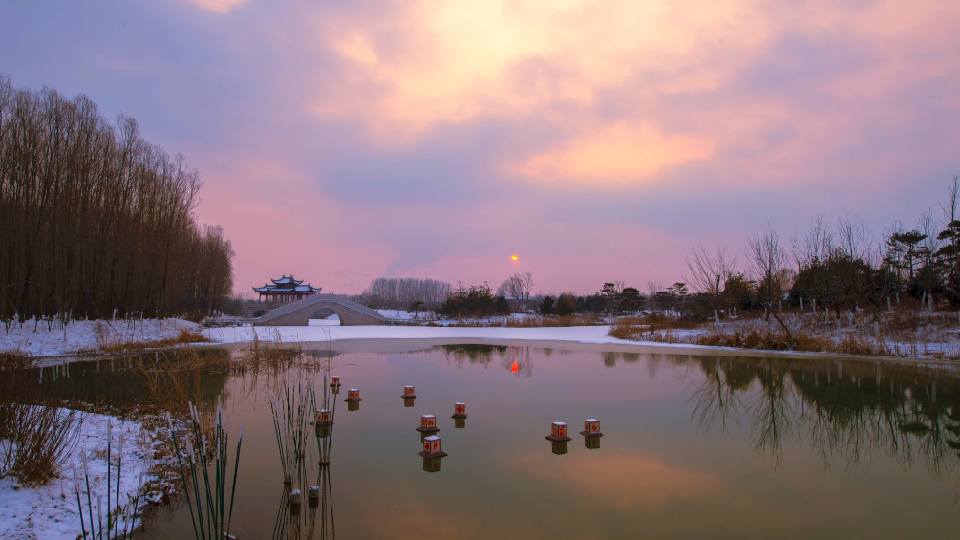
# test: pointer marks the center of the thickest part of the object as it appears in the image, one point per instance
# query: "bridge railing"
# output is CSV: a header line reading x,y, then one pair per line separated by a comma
x,y
314,299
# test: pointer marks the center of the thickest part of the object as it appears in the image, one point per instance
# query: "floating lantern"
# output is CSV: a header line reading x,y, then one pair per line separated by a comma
x,y
324,430
431,448
428,424
409,393
408,402
353,395
296,498
591,428
313,496
558,447
334,380
558,432
460,423
459,410
592,443
431,464
353,405
324,417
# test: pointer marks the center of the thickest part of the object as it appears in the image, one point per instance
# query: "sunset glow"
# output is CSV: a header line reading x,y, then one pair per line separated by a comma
x,y
347,141
514,258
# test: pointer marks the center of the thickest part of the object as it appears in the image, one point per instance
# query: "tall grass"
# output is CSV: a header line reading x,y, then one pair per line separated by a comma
x,y
121,518
292,408
205,472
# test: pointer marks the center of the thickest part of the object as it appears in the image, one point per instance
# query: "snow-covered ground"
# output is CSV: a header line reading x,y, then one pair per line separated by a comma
x,y
50,512
41,340
578,334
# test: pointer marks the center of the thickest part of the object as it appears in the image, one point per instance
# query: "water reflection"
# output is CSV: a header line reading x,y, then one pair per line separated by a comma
x,y
733,439
849,412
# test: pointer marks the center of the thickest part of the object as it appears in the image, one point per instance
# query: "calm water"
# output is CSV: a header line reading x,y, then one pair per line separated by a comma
x,y
694,447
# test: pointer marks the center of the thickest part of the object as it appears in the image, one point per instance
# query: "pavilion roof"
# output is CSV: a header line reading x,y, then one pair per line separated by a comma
x,y
286,280
295,289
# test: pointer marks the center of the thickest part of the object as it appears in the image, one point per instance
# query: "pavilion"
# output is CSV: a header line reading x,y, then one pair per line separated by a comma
x,y
285,289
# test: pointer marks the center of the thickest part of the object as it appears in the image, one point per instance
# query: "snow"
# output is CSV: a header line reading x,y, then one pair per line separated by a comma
x,y
50,512
402,315
82,335
578,334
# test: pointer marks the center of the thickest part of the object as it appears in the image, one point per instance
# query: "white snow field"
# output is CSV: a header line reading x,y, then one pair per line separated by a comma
x,y
577,334
40,340
50,512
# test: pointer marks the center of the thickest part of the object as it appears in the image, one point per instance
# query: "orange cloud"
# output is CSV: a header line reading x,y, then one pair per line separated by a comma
x,y
455,60
220,6
627,481
617,153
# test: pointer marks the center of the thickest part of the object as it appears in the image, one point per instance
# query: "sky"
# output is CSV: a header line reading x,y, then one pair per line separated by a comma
x,y
598,140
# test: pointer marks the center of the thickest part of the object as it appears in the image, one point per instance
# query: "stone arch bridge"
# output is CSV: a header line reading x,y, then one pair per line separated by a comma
x,y
318,306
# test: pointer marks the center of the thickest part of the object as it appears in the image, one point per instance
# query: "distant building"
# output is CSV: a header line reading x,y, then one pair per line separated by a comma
x,y
285,289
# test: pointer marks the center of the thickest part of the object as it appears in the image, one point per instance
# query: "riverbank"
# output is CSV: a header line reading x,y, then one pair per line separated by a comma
x,y
50,512
42,338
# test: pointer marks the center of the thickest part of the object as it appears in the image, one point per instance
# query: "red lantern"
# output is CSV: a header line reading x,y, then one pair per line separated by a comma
x,y
353,395
428,423
409,393
591,428
459,410
558,432
431,448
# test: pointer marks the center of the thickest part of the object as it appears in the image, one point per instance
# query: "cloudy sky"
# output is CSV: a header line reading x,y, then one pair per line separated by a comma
x,y
343,140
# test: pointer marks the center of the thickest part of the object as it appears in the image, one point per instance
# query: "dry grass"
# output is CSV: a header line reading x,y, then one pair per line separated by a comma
x,y
533,321
116,347
35,437
902,333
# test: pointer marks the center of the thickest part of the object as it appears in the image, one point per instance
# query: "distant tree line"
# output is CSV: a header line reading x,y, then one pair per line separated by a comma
x,y
403,293
95,220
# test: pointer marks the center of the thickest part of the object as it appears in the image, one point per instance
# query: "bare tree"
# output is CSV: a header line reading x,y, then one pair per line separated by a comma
x,y
767,261
519,286
709,273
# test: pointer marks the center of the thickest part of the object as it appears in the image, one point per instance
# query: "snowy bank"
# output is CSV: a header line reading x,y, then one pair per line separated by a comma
x,y
50,512
43,340
576,334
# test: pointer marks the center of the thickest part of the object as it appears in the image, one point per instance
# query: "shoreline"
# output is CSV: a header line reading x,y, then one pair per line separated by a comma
x,y
393,339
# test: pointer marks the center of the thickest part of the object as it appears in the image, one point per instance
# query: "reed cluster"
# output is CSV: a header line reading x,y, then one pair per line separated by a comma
x,y
121,518
205,472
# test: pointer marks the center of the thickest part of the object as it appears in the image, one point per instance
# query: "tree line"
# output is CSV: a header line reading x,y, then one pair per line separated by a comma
x,y
830,268
95,220
400,293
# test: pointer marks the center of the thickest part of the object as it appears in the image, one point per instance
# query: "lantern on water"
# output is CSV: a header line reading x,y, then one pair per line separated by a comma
x,y
353,395
335,389
313,496
591,428
408,402
558,432
409,393
334,380
558,447
592,443
324,417
353,405
428,423
431,448
460,423
459,410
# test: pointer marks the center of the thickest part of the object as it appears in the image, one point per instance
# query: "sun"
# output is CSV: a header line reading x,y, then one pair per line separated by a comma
x,y
514,258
